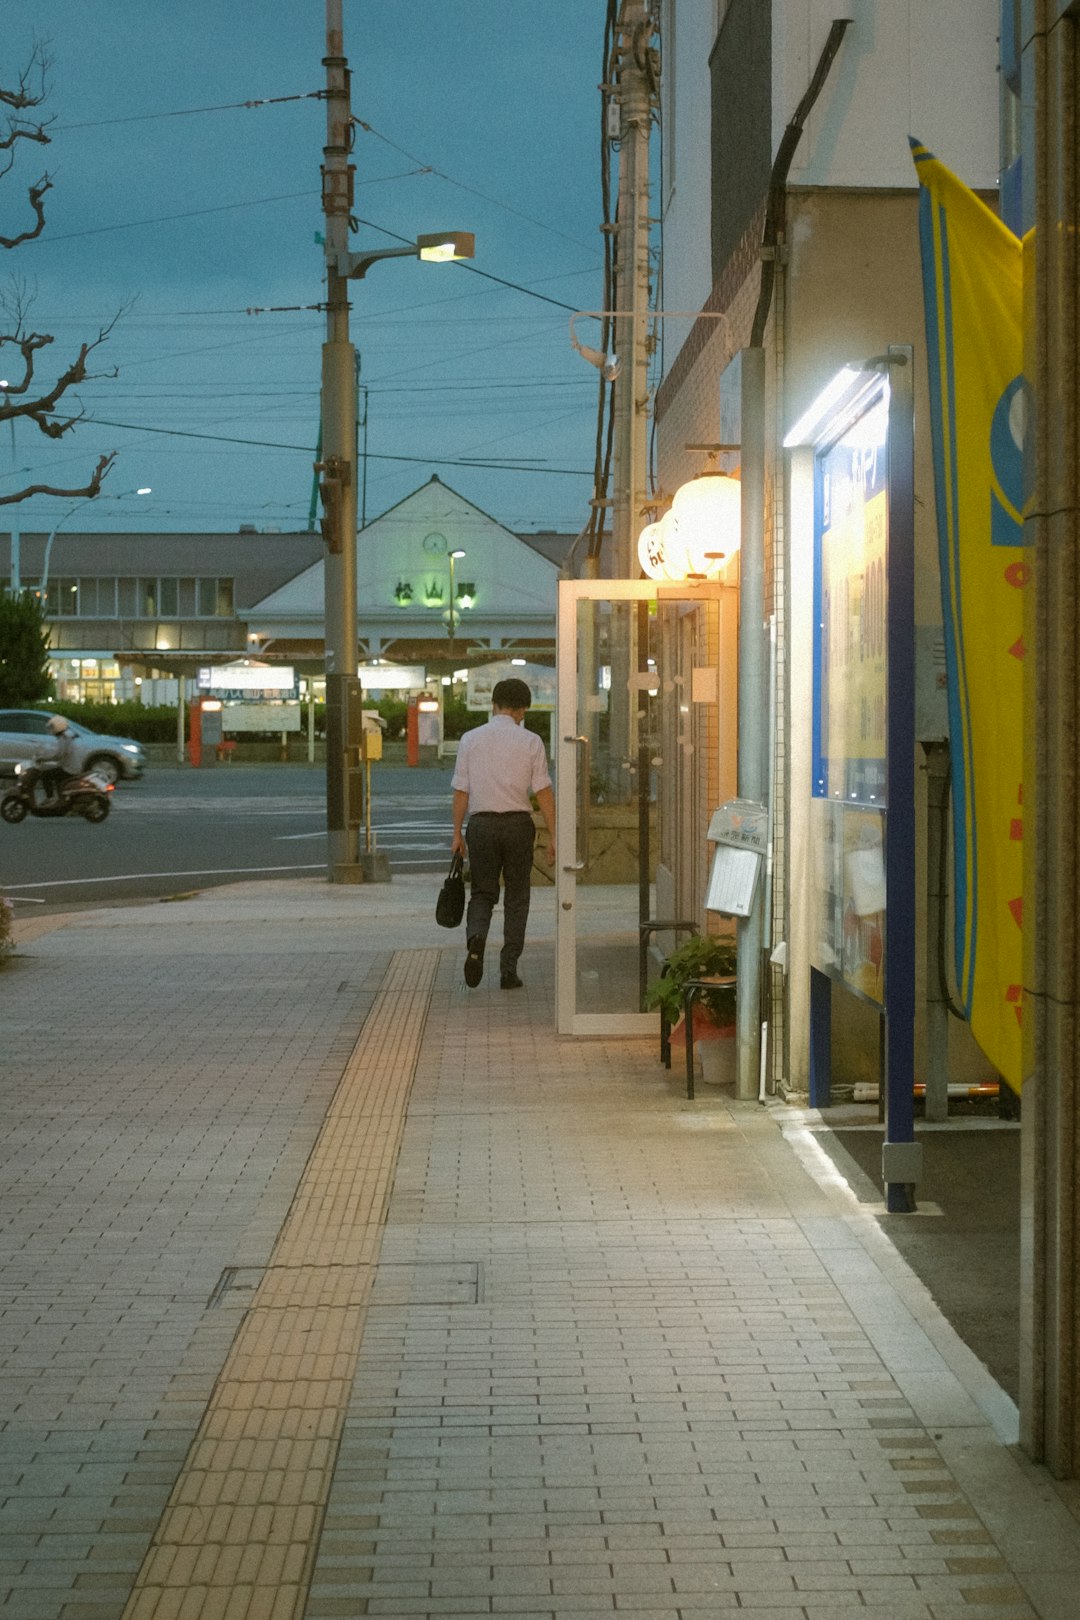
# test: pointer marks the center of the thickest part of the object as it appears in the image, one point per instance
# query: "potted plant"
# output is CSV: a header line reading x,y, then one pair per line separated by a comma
x,y
702,956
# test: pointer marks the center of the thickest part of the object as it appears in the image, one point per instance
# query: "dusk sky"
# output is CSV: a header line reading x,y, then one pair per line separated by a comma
x,y
186,218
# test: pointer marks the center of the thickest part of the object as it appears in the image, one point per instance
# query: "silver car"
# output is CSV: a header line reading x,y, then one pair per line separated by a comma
x,y
23,735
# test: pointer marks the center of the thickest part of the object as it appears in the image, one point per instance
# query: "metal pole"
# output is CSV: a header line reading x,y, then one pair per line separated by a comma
x,y
753,707
450,559
338,487
1050,1141
937,1011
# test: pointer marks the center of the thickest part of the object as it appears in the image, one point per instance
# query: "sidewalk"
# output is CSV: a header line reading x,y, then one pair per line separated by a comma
x,y
330,1288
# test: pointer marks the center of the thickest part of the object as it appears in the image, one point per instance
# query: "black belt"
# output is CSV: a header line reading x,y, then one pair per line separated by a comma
x,y
478,815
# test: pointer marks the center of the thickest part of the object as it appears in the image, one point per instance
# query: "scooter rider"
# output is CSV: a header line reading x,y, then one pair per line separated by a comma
x,y
60,764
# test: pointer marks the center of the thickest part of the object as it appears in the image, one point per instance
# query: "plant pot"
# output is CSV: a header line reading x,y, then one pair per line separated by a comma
x,y
717,1058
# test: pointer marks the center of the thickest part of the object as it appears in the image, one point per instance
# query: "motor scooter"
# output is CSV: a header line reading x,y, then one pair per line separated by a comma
x,y
86,796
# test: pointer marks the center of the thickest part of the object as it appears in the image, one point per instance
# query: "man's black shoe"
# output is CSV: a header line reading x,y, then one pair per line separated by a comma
x,y
474,962
510,981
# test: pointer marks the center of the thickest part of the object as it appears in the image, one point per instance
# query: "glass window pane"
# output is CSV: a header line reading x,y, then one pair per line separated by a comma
x,y
147,601
167,597
224,598
207,598
187,601
67,604
125,590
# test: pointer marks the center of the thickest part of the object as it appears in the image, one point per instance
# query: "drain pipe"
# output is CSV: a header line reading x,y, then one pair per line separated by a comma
x,y
753,658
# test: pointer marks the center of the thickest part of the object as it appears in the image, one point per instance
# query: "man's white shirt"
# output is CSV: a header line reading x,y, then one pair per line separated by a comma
x,y
499,764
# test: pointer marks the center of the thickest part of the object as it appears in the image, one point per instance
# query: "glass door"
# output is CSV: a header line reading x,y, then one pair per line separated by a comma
x,y
623,728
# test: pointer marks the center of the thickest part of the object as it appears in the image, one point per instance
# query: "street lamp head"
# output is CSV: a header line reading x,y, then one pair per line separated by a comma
x,y
457,553
441,247
608,365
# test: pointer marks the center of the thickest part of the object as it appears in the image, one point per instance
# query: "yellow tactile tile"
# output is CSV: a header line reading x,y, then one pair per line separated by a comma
x,y
237,1538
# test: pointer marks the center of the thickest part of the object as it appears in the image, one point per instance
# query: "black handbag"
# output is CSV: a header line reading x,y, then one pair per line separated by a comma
x,y
450,906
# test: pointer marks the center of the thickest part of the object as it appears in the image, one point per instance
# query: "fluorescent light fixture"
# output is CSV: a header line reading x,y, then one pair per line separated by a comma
x,y
830,396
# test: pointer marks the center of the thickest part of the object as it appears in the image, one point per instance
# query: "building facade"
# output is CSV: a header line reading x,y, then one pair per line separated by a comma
x,y
839,282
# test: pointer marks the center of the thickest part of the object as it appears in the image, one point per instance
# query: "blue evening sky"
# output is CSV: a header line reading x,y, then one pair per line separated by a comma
x,y
187,221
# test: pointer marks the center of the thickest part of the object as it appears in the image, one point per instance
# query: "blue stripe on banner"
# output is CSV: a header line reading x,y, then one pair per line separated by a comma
x,y
968,895
933,290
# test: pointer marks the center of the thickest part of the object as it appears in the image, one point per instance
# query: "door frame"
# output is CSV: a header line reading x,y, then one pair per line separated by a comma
x,y
565,751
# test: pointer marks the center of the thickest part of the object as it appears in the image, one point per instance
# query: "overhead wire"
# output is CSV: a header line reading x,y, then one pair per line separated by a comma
x,y
190,112
307,450
429,168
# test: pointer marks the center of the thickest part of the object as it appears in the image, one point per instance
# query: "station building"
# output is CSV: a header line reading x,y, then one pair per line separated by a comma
x,y
440,584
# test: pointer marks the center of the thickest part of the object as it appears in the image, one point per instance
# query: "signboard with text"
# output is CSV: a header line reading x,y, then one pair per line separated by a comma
x,y
849,783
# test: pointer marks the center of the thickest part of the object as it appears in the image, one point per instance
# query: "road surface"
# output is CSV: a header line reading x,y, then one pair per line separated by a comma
x,y
179,830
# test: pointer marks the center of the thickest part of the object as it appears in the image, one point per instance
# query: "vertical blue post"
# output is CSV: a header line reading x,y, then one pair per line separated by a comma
x,y
820,1039
901,1154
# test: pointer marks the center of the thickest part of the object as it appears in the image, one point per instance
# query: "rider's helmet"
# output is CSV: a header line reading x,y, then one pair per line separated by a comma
x,y
56,724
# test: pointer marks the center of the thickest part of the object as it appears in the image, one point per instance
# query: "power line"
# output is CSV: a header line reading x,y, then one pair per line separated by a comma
x,y
308,450
190,112
165,219
220,208
429,168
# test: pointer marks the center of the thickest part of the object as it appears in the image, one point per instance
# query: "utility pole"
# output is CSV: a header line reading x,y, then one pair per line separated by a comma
x,y
1050,1142
344,772
634,90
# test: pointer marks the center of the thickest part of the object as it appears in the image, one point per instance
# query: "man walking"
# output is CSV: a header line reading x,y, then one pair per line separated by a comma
x,y
498,766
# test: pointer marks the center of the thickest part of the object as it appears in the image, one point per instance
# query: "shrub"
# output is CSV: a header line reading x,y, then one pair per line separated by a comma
x,y
7,943
700,957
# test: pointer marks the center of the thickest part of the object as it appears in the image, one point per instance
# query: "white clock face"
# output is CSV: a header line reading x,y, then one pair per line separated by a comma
x,y
434,542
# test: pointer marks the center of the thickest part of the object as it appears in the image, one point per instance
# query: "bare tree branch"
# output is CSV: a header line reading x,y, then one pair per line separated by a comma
x,y
89,490
16,132
35,193
24,396
40,407
37,67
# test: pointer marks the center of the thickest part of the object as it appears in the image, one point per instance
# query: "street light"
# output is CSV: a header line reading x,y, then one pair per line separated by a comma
x,y
435,247
452,559
44,581
338,469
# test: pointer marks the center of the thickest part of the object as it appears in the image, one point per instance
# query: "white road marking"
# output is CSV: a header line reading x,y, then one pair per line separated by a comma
x,y
135,877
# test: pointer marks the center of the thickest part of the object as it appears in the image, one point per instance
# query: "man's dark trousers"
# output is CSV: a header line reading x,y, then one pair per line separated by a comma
x,y
500,844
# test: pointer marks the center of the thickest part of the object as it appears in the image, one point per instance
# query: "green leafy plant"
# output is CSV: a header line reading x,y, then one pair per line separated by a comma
x,y
702,956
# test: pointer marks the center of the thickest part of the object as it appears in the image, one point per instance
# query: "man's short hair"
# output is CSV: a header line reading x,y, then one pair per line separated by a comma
x,y
511,694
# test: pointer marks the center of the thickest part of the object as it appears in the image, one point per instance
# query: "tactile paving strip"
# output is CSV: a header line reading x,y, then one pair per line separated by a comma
x,y
238,1537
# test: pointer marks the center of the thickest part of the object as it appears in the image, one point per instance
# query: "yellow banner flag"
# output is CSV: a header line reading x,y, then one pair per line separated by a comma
x,y
973,294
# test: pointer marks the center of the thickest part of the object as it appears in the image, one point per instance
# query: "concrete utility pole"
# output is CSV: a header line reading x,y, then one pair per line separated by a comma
x,y
635,95
1050,1140
344,772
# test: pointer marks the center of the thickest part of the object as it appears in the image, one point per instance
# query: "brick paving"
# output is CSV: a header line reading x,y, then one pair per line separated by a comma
x,y
580,1346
